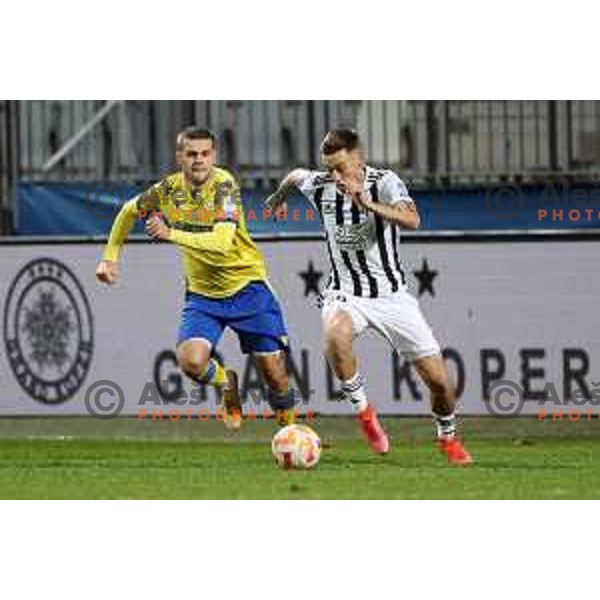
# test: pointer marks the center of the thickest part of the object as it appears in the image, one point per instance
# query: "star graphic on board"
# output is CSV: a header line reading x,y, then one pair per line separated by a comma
x,y
425,277
311,279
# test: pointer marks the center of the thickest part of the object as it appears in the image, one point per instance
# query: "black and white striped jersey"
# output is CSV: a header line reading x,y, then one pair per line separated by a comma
x,y
363,248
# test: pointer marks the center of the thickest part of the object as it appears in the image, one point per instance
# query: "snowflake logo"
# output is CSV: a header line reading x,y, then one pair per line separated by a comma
x,y
47,326
48,331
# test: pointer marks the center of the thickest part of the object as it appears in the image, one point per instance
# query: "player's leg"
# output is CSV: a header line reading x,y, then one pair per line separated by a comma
x,y
341,324
262,332
195,360
400,320
434,373
199,333
273,368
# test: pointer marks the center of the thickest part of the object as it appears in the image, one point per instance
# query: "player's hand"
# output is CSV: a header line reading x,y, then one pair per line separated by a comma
x,y
157,229
275,202
107,272
354,188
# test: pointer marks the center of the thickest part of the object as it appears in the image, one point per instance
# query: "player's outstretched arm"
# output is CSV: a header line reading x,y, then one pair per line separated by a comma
x,y
289,182
107,271
108,268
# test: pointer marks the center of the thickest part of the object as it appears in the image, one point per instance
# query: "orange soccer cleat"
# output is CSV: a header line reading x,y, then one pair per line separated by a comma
x,y
376,437
454,450
232,402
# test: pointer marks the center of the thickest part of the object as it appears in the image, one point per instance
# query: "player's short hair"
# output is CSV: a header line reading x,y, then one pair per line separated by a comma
x,y
339,139
195,133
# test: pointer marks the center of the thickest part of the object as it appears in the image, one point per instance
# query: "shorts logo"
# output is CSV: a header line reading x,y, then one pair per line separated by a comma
x,y
48,331
328,207
329,298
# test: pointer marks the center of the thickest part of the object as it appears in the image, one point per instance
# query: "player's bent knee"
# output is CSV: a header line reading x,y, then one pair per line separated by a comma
x,y
338,341
339,325
191,362
339,332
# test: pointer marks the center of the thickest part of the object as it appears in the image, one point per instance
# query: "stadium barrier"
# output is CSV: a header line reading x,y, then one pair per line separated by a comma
x,y
515,312
88,208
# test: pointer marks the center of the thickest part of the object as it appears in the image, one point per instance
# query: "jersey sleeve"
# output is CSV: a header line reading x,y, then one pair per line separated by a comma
x,y
122,225
393,190
138,207
307,184
151,199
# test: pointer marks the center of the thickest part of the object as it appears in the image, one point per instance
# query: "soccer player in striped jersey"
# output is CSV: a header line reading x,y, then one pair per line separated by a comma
x,y
226,276
363,210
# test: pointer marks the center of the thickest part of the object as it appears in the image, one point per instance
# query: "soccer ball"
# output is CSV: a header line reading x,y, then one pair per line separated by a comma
x,y
296,447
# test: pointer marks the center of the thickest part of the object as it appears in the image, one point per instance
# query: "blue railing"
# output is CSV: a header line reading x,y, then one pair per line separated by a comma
x,y
89,209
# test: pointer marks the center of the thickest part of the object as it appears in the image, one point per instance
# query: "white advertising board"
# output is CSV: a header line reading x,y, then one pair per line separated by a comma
x,y
522,311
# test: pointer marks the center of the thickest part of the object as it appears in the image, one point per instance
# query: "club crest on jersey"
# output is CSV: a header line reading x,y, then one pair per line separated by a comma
x,y
352,237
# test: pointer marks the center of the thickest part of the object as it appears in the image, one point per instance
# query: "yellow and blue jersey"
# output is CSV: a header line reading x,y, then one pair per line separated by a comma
x,y
226,276
194,214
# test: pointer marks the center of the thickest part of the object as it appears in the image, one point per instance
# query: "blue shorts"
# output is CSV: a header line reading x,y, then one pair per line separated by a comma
x,y
253,313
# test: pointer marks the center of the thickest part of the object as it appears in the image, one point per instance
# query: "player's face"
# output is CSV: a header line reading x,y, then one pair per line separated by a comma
x,y
344,165
197,158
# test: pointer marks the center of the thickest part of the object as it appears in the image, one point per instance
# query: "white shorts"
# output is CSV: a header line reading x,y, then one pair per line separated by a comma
x,y
397,318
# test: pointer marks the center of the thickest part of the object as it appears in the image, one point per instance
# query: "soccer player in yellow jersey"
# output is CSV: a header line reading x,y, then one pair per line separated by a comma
x,y
226,276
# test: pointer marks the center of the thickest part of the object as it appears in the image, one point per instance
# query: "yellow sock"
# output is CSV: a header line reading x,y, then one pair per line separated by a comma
x,y
286,417
214,374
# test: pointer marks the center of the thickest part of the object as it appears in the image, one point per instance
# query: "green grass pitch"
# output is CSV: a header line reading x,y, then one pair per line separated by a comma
x,y
125,458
